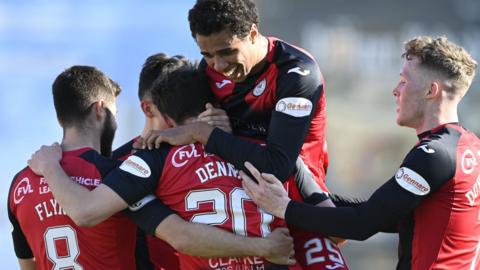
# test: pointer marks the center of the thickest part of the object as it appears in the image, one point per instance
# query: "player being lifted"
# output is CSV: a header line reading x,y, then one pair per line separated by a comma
x,y
271,90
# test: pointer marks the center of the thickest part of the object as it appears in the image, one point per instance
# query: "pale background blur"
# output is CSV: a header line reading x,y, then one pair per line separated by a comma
x,y
356,43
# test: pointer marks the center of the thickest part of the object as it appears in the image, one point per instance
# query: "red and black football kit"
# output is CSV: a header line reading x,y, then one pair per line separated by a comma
x,y
201,188
284,105
151,253
432,201
42,230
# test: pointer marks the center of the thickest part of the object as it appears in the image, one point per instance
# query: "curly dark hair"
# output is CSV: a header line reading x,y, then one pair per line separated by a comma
x,y
212,16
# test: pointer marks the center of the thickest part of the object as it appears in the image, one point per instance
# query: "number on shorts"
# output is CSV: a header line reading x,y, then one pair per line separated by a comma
x,y
315,245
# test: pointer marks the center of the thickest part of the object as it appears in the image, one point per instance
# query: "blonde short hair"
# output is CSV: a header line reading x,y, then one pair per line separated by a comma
x,y
445,57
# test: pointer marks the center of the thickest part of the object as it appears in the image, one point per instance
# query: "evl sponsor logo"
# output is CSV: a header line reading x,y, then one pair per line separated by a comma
x,y
183,155
469,162
21,190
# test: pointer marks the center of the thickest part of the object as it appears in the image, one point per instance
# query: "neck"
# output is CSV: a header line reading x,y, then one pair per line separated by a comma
x,y
440,115
147,127
74,139
261,54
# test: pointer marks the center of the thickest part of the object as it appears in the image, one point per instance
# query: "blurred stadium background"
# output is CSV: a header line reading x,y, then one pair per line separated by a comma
x,y
356,43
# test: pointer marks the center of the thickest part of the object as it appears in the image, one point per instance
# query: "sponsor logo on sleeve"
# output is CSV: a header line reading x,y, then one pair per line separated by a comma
x,y
412,181
469,162
426,149
138,205
21,190
221,84
136,166
299,71
260,88
294,106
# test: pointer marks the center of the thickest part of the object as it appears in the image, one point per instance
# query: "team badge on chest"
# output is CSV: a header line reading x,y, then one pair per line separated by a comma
x,y
260,88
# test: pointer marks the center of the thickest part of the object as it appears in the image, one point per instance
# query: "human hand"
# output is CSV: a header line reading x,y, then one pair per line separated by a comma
x,y
215,117
280,247
269,194
46,158
179,135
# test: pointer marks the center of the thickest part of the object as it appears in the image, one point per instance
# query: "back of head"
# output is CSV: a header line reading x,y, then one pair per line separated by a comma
x,y
213,16
155,66
76,89
182,93
446,58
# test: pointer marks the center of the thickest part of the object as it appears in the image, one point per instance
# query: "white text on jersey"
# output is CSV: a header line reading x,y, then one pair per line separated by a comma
x,y
214,169
47,209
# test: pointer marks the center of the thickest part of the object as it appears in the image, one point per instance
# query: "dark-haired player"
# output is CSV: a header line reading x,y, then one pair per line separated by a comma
x,y
44,236
271,90
157,175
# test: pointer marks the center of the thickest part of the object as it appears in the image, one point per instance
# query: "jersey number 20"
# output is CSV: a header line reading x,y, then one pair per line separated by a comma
x,y
219,199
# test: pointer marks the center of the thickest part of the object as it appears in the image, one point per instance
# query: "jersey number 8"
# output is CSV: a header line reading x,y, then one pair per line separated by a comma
x,y
52,237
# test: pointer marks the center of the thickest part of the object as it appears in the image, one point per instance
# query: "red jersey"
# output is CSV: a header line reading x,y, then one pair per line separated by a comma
x,y
150,252
432,201
201,188
283,104
43,230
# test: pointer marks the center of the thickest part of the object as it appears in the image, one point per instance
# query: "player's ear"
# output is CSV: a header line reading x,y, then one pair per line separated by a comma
x,y
253,35
147,108
99,109
434,90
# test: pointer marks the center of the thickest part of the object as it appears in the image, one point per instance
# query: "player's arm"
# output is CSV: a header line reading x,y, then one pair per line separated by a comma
x,y
298,92
421,174
97,204
208,241
132,178
22,248
27,264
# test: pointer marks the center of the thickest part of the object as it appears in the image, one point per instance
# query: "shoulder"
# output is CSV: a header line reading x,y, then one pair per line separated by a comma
x,y
440,147
21,185
430,163
292,60
92,158
297,72
142,162
125,150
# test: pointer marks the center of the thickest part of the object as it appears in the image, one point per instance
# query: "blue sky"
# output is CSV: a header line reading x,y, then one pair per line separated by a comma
x,y
39,39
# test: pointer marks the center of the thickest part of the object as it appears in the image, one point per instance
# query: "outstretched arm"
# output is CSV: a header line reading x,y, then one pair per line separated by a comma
x,y
102,201
347,222
421,173
208,241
